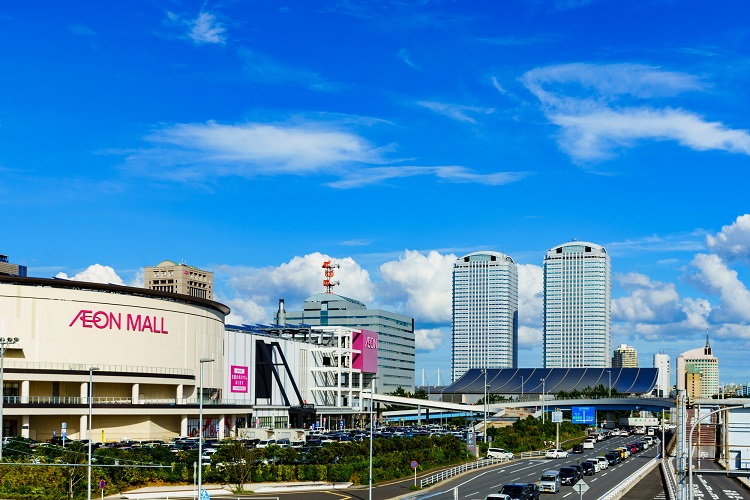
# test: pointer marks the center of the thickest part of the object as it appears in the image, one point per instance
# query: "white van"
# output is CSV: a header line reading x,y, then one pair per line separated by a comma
x,y
550,481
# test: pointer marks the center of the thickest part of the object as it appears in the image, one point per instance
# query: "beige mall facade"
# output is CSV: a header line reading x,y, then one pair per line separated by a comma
x,y
146,344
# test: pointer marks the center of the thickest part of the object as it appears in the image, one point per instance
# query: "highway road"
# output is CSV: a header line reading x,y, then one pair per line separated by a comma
x,y
715,486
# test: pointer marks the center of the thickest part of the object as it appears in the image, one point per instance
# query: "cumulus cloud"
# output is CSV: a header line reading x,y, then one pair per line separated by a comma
x,y
256,291
649,301
419,284
716,277
529,338
95,273
456,111
530,295
599,109
204,29
428,339
247,312
733,241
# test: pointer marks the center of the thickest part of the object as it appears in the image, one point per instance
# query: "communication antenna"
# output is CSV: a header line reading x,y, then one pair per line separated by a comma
x,y
328,272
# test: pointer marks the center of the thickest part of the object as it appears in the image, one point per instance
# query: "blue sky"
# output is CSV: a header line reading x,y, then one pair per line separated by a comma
x,y
256,139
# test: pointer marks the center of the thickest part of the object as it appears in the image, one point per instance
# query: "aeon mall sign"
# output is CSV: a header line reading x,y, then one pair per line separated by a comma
x,y
104,320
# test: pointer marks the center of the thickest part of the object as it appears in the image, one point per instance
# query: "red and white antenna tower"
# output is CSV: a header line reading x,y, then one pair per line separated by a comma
x,y
328,282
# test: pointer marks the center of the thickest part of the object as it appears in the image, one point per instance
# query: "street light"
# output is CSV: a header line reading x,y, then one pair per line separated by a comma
x,y
609,373
521,387
92,369
200,426
690,442
485,405
543,381
372,430
4,343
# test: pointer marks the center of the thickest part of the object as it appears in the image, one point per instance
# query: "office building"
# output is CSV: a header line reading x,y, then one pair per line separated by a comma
x,y
172,277
625,357
663,383
485,313
12,269
703,362
395,333
577,297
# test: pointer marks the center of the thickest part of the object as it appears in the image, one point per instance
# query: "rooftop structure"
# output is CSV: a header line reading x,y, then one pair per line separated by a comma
x,y
169,276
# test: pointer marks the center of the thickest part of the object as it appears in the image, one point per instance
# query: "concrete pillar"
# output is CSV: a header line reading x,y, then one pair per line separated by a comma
x,y
25,427
183,425
178,396
25,393
221,422
85,392
83,432
134,391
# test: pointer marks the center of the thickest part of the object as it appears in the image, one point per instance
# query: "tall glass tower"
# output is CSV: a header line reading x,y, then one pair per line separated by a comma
x,y
485,312
577,306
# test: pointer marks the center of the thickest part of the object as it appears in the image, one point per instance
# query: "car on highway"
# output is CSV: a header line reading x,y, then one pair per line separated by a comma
x,y
497,496
520,491
556,454
589,469
597,465
499,453
612,458
603,462
550,481
577,448
579,470
568,476
588,444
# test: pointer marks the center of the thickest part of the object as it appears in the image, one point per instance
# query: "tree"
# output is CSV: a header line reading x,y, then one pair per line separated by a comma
x,y
74,454
234,458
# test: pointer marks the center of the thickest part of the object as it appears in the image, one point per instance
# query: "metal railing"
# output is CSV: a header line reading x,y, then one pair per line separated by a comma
x,y
26,365
69,400
624,486
666,466
443,475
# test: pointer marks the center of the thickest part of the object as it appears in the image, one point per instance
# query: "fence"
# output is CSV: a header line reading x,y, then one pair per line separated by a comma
x,y
478,464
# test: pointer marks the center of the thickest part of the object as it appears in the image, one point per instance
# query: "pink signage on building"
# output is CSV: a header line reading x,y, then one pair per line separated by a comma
x,y
238,381
104,320
366,342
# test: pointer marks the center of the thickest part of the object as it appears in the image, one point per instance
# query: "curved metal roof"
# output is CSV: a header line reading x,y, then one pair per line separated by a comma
x,y
493,253
576,242
529,380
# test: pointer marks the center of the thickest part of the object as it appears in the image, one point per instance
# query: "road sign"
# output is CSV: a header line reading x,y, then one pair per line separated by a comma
x,y
580,487
204,495
414,464
341,423
102,484
583,415
557,416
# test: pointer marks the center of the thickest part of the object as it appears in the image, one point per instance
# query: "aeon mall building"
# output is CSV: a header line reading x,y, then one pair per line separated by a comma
x,y
140,350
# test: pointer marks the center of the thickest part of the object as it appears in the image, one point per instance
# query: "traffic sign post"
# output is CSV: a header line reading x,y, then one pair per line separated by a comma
x,y
204,495
414,465
581,487
102,484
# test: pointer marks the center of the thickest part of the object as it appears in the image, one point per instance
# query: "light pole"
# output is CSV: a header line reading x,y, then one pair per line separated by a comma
x,y
690,442
521,387
4,343
372,431
485,405
200,426
543,381
609,373
92,369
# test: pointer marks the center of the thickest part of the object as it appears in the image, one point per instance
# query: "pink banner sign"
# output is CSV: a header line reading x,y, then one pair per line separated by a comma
x,y
239,379
366,342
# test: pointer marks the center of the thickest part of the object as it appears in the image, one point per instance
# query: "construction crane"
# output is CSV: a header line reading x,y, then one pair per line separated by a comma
x,y
328,282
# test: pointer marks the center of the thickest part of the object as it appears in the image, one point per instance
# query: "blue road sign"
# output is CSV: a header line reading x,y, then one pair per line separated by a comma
x,y
583,415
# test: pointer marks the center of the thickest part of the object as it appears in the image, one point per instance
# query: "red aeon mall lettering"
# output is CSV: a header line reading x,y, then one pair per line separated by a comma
x,y
113,321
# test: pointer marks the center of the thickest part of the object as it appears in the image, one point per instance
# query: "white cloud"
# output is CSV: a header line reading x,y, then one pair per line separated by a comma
x,y
530,296
256,291
428,339
451,173
649,301
138,280
456,111
733,241
247,312
529,338
714,274
263,68
597,108
403,54
419,284
204,29
95,273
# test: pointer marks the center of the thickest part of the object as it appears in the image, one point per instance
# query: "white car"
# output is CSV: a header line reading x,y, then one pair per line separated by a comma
x,y
556,454
499,453
588,444
603,463
595,463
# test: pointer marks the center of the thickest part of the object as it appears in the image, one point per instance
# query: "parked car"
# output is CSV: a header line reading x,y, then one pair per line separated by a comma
x,y
556,454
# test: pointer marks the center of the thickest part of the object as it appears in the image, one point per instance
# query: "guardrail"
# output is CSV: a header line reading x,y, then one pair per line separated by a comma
x,y
622,488
478,464
74,400
671,479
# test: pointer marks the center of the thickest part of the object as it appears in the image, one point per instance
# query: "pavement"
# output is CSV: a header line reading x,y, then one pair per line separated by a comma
x,y
182,492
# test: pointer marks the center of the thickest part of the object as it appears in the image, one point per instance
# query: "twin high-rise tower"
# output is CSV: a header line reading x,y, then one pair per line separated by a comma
x,y
576,320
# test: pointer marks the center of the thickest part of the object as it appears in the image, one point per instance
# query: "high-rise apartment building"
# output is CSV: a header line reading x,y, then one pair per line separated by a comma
x,y
699,361
12,269
663,381
625,357
485,312
577,306
396,349
172,277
